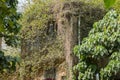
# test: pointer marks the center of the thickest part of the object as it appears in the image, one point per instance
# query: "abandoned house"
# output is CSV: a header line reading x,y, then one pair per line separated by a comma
x,y
71,22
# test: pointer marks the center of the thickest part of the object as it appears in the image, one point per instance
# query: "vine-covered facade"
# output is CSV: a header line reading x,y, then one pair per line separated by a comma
x,y
70,23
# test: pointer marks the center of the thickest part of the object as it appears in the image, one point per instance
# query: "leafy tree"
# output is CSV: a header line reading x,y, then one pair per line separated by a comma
x,y
9,29
99,53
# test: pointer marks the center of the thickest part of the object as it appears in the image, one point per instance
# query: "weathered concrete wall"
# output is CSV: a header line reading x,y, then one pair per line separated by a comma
x,y
70,40
61,72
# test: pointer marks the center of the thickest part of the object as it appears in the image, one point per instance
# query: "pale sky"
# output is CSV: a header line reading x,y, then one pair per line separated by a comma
x,y
21,3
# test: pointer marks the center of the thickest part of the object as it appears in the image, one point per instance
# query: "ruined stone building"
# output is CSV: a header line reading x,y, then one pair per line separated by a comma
x,y
72,22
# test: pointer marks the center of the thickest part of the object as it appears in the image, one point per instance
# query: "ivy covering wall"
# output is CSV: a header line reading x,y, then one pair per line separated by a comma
x,y
41,47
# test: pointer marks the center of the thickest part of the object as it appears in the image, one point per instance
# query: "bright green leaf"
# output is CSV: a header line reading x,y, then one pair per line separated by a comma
x,y
109,3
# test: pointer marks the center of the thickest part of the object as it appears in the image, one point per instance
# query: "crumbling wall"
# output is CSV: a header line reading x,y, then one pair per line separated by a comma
x,y
73,22
75,19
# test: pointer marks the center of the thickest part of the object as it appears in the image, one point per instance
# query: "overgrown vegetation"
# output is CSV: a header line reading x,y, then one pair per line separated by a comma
x,y
43,49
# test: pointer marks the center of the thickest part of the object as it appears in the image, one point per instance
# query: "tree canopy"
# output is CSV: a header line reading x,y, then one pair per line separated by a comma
x,y
99,53
9,28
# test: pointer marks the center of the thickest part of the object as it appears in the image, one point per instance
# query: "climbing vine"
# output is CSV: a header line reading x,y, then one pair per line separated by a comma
x,y
41,48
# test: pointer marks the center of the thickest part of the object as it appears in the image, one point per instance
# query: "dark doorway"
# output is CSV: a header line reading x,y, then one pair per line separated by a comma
x,y
50,74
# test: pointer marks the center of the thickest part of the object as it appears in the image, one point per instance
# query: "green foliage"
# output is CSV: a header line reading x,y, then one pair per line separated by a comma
x,y
109,3
9,26
7,63
11,56
34,64
9,29
94,3
35,17
44,49
117,6
9,60
99,53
